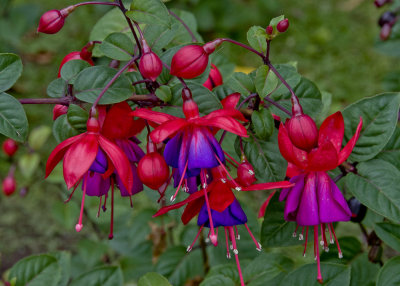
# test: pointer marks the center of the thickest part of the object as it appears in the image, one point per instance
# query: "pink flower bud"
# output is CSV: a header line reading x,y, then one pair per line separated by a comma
x,y
269,30
189,62
385,32
245,174
303,132
214,78
153,171
52,21
10,147
150,66
59,110
283,26
74,56
9,185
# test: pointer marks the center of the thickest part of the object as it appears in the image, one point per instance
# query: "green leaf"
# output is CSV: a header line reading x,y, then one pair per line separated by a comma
x,y
91,81
71,69
10,70
256,36
117,46
62,129
104,276
135,76
265,81
389,273
391,152
13,121
376,186
291,76
64,260
265,157
389,233
38,137
275,230
379,114
28,164
36,270
77,117
350,246
276,20
217,280
242,83
363,272
57,88
306,275
149,12
164,93
178,265
153,279
262,123
158,37
182,36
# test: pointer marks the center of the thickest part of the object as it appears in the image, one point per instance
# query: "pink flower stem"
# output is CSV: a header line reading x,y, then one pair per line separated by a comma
x,y
236,252
258,245
243,46
274,103
96,3
128,20
233,159
184,25
93,109
204,182
316,245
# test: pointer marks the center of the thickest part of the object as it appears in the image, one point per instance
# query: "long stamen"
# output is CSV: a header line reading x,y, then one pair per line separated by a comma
x,y
98,211
237,233
213,237
130,199
230,157
228,253
258,245
230,162
180,182
237,187
70,196
324,242
337,242
295,231
79,225
330,235
190,247
305,243
316,246
236,252
105,202
301,235
111,235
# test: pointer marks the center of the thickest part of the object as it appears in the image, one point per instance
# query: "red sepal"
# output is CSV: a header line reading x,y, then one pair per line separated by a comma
x,y
346,151
231,101
221,196
167,129
268,186
332,129
192,209
323,158
290,152
227,123
264,206
154,116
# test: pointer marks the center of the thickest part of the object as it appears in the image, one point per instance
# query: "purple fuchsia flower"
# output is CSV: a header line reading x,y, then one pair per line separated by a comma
x,y
315,200
216,206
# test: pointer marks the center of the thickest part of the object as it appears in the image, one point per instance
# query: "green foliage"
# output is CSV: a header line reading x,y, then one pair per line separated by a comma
x,y
105,276
389,233
57,88
13,121
117,46
10,70
149,12
262,123
153,279
256,36
265,81
71,69
388,275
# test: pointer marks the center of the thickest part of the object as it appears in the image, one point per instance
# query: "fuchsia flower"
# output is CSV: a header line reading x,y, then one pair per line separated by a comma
x,y
315,199
150,65
216,205
214,78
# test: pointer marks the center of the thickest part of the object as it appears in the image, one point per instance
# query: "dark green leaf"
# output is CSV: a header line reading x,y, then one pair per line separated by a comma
x,y
158,37
363,272
266,81
242,83
57,88
262,123
291,76
104,276
391,152
77,117
135,76
91,81
379,114
389,233
149,12
164,93
217,280
306,275
350,247
37,270
389,273
276,20
71,69
13,121
153,279
10,70
222,91
256,36
275,230
182,36
117,46
62,129
391,81
64,260
376,185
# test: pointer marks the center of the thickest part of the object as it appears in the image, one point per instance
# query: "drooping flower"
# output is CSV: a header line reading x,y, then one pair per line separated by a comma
x,y
315,200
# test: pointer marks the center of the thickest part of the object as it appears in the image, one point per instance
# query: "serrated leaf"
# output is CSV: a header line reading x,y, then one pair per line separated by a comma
x,y
376,185
117,46
57,88
379,114
28,164
242,83
77,117
262,123
389,273
266,81
164,93
104,276
149,12
38,137
306,275
153,279
91,81
71,69
389,233
36,270
10,70
391,152
62,129
13,121
256,36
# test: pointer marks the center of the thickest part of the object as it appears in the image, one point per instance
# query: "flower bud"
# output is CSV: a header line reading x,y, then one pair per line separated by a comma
x,y
59,110
302,132
73,56
214,78
380,3
283,25
9,185
153,171
52,21
269,30
10,147
387,18
385,32
189,107
92,125
358,210
245,174
150,65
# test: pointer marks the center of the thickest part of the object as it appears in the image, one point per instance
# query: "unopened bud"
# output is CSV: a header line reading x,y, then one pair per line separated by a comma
x,y
283,25
269,30
214,78
150,66
10,147
302,132
52,21
385,32
245,174
59,110
9,185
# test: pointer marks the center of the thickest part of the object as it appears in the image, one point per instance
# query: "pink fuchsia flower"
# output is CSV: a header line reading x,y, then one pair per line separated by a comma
x,y
150,65
315,200
214,78
215,206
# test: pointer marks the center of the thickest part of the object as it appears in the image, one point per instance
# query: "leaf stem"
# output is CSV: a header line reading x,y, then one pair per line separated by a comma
x,y
96,3
278,75
243,46
194,39
273,102
128,20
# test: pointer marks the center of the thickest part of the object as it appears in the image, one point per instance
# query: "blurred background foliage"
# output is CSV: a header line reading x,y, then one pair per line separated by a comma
x,y
332,42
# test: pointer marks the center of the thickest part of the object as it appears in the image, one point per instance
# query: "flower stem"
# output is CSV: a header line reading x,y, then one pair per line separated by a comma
x,y
243,46
62,100
96,3
278,105
278,75
128,20
194,39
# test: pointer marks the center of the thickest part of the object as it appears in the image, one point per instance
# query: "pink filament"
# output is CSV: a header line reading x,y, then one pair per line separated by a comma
x,y
229,175
111,235
324,237
337,242
98,211
78,226
305,243
316,247
212,236
228,253
130,199
180,182
70,196
253,238
195,239
235,251
233,159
